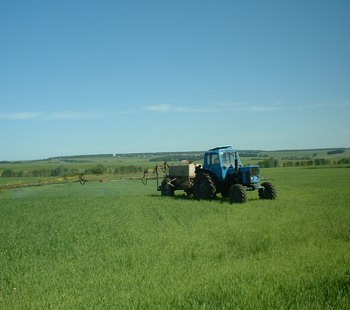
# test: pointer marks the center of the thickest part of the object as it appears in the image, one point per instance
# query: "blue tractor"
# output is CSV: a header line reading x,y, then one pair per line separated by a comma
x,y
224,173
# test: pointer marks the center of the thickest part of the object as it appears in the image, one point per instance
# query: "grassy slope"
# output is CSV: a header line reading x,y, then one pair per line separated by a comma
x,y
119,244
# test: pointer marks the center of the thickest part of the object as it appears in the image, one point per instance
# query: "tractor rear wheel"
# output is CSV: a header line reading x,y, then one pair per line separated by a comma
x,y
238,194
204,187
268,191
166,188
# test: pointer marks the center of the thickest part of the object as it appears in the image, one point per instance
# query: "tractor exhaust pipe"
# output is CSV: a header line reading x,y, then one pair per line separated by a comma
x,y
236,161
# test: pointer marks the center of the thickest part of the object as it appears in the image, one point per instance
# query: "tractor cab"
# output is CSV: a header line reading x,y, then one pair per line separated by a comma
x,y
221,161
224,162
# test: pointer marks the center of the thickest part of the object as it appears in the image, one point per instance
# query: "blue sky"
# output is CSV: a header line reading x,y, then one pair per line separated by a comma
x,y
90,77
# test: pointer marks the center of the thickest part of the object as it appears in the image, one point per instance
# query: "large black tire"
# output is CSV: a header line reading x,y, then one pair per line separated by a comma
x,y
238,194
204,187
166,188
268,191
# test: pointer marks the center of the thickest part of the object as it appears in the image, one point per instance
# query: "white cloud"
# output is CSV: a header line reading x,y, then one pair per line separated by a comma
x,y
46,116
263,108
160,108
173,108
221,107
18,116
70,115
177,108
335,105
242,106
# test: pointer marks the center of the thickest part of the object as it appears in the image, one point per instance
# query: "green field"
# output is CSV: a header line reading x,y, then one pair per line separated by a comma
x,y
120,245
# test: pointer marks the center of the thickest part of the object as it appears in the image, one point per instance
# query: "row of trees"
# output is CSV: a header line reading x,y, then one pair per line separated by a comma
x,y
272,162
100,169
336,151
62,171
316,162
269,163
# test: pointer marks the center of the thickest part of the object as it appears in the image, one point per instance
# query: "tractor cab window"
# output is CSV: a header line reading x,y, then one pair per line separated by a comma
x,y
212,159
226,159
215,159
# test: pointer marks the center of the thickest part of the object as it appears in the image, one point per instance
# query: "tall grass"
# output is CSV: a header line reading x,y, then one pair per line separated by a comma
x,y
121,245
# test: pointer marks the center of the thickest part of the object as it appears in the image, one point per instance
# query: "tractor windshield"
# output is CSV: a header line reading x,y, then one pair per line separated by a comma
x,y
228,159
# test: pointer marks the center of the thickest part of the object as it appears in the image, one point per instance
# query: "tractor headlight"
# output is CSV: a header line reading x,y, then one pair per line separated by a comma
x,y
254,179
254,175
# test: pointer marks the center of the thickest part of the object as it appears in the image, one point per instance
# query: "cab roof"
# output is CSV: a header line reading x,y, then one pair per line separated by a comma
x,y
222,148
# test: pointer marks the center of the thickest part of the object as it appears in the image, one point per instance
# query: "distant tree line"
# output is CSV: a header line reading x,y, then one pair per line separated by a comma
x,y
343,161
128,169
316,162
176,157
252,154
272,162
297,158
62,171
336,151
269,163
56,172
100,169
67,158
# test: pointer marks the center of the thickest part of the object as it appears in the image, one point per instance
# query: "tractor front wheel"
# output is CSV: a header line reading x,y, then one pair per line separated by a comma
x,y
268,191
238,194
204,187
166,188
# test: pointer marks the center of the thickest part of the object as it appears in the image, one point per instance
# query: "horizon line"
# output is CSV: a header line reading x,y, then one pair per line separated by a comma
x,y
165,152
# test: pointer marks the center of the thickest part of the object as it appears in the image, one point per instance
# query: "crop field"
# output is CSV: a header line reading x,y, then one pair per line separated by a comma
x,y
119,245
